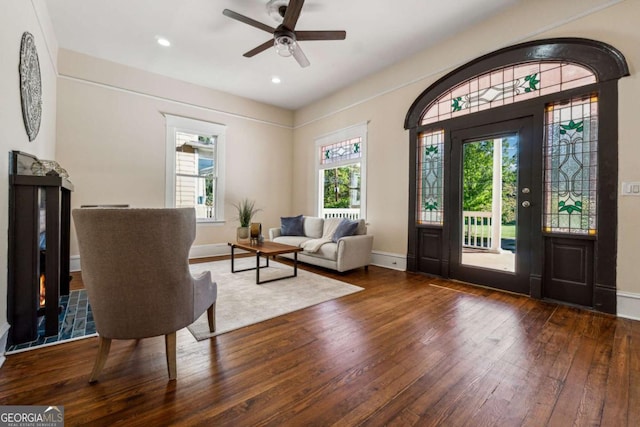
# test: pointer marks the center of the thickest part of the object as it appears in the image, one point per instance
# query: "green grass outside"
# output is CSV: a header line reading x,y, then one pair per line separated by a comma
x,y
508,231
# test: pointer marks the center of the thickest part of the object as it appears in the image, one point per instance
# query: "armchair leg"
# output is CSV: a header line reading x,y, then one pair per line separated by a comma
x,y
211,315
170,348
104,344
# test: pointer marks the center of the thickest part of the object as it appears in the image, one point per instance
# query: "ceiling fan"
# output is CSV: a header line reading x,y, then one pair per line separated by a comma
x,y
285,37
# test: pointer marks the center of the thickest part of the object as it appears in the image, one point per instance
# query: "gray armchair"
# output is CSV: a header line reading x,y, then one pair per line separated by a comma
x,y
135,268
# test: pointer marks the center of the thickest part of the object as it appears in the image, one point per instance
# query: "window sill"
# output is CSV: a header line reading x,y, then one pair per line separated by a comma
x,y
210,221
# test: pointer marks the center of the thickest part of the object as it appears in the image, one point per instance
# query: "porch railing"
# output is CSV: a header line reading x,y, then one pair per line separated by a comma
x,y
477,230
341,213
204,211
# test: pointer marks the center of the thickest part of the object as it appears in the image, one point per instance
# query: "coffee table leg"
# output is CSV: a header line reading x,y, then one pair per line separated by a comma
x,y
232,247
295,264
257,267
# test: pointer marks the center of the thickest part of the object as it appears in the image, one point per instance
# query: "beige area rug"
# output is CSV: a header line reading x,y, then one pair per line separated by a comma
x,y
242,303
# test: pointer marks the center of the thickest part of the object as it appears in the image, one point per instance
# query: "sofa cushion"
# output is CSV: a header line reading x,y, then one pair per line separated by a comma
x,y
362,227
291,240
345,228
326,251
291,225
313,226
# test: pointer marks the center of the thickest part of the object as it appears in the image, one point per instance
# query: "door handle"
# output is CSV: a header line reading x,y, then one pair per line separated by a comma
x,y
526,204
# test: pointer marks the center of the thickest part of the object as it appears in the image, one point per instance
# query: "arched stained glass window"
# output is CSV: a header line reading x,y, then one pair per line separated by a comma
x,y
505,86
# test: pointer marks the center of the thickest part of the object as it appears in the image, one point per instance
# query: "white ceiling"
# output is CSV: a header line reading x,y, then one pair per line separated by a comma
x,y
207,47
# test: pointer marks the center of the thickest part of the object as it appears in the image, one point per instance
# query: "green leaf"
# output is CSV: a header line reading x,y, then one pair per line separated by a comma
x,y
563,207
431,206
455,105
579,127
533,82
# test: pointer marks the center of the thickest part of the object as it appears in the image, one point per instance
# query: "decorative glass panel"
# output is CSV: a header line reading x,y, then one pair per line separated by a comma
x,y
571,166
505,86
340,151
430,177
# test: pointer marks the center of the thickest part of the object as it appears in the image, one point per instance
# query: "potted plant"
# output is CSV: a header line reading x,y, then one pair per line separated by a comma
x,y
246,210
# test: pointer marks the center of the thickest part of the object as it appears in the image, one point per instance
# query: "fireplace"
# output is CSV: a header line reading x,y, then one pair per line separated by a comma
x,y
39,225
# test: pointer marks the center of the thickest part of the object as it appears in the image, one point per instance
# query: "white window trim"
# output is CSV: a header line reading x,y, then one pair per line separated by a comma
x,y
182,124
354,131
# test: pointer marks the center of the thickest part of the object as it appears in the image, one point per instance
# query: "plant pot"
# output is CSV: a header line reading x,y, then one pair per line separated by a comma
x,y
242,233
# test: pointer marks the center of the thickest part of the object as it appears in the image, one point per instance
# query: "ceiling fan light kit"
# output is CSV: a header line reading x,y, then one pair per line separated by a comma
x,y
285,37
284,42
284,46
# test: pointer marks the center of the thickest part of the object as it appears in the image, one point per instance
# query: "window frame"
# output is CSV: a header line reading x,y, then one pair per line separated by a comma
x,y
355,131
175,124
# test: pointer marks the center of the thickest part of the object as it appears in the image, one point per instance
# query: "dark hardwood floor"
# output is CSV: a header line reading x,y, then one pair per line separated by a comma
x,y
408,350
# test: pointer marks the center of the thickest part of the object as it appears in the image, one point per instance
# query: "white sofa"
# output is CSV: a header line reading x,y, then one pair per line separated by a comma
x,y
347,253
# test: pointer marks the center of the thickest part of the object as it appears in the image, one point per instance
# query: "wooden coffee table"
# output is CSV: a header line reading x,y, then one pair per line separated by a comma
x,y
265,249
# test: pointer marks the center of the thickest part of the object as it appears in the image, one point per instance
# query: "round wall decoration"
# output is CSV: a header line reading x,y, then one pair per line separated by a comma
x,y
30,86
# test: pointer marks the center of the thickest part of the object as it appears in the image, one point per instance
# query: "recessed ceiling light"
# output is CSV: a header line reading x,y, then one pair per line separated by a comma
x,y
163,42
275,79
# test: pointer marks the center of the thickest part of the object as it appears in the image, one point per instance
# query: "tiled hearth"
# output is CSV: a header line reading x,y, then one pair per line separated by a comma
x,y
76,322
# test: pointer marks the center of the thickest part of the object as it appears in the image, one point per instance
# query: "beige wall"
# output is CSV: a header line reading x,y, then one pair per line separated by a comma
x,y
112,139
17,17
384,99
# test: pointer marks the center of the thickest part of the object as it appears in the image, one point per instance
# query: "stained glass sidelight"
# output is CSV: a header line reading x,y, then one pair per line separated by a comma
x,y
340,151
430,177
505,86
571,166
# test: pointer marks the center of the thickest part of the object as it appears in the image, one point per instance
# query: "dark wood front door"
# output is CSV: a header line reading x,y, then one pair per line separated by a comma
x,y
493,198
567,144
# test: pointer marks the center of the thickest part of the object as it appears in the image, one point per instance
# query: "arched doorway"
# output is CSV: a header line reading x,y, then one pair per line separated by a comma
x,y
513,172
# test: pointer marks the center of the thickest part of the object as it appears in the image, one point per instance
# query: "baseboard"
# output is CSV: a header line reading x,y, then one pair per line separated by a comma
x,y
389,260
74,263
204,251
4,336
628,305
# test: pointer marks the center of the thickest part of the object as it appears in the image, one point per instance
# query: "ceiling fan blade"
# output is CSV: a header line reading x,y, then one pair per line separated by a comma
x,y
321,35
292,14
299,55
264,46
234,15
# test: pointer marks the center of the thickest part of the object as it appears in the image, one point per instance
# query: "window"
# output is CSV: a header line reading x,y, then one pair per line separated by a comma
x,y
341,168
195,173
505,86
430,177
571,166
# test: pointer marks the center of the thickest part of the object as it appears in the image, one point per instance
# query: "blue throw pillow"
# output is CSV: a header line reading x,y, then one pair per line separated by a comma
x,y
345,228
292,225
